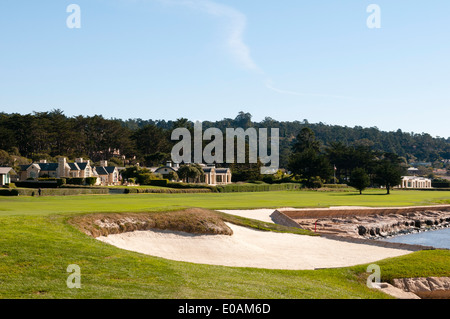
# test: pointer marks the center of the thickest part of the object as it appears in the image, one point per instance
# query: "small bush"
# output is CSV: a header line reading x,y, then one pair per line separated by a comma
x,y
91,180
145,178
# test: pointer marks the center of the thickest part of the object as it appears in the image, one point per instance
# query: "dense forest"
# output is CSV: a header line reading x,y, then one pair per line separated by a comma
x,y
46,135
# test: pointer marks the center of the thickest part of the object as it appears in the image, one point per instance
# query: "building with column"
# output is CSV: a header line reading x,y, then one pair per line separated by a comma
x,y
5,175
213,175
415,182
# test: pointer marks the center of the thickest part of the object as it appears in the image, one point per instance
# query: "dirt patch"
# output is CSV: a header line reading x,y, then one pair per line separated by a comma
x,y
194,221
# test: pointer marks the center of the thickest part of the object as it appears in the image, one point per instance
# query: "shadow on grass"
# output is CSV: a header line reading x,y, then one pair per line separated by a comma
x,y
358,194
354,194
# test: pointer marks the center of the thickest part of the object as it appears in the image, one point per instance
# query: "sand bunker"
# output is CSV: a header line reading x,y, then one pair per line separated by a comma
x,y
258,214
251,248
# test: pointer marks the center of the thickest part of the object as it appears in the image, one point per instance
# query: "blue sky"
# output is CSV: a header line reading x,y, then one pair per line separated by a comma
x,y
208,60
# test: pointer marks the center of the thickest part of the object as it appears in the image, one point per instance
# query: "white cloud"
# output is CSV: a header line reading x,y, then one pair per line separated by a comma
x,y
236,22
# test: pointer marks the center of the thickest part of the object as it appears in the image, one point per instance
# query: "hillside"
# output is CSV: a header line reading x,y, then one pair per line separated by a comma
x,y
50,134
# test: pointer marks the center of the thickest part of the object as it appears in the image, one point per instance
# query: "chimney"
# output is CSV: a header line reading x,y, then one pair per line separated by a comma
x,y
61,171
103,163
169,163
79,160
43,161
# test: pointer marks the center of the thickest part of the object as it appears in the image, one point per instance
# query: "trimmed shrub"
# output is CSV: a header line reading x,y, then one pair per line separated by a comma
x,y
75,181
38,184
159,182
190,185
335,185
91,180
132,190
59,181
145,178
63,191
440,183
231,188
9,192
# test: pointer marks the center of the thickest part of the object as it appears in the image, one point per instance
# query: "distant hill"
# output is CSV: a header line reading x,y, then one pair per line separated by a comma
x,y
52,134
415,147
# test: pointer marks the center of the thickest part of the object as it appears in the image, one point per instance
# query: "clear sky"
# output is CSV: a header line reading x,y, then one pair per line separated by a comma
x,y
209,59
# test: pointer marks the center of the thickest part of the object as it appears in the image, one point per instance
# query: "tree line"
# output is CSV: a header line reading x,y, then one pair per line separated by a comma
x,y
358,166
46,135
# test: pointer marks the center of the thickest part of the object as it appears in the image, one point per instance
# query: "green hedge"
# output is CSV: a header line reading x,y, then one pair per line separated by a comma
x,y
91,181
9,192
231,188
76,181
59,181
159,182
336,185
38,184
440,184
132,190
62,191
190,186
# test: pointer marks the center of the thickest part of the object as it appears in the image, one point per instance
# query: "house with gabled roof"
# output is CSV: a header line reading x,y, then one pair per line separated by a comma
x,y
60,169
78,169
108,175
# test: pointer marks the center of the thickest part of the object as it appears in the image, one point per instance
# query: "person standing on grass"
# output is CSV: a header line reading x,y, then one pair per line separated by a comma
x,y
39,191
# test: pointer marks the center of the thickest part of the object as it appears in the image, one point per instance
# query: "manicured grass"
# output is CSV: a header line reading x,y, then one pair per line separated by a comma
x,y
151,202
37,244
36,250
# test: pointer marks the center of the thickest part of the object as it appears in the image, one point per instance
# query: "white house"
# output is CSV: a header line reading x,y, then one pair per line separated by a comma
x,y
415,182
78,169
107,175
5,175
213,175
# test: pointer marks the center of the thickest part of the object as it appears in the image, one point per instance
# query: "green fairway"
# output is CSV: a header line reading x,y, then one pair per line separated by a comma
x,y
275,199
37,244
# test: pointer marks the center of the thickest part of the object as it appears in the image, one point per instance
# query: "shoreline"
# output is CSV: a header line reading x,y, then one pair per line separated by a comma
x,y
366,222
413,231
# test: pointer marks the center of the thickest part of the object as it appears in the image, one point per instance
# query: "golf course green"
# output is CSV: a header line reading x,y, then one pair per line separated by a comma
x,y
38,243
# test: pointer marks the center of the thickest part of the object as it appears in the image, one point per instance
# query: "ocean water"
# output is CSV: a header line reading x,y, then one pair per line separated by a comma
x,y
435,238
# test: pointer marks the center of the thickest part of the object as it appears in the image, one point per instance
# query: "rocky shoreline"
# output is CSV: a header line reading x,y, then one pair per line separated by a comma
x,y
373,224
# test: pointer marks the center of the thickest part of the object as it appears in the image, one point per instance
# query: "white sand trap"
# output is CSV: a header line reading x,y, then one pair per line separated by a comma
x,y
258,214
251,248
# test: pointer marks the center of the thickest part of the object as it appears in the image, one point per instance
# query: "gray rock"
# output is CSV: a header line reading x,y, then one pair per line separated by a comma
x,y
362,230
